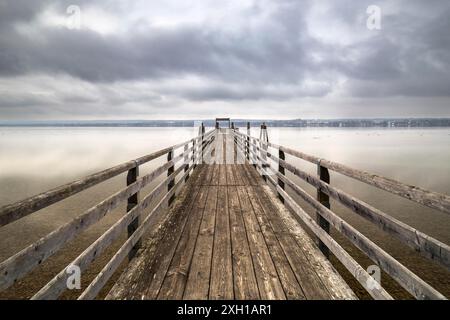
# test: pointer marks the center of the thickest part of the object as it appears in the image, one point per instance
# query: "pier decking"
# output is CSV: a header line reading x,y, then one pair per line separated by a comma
x,y
225,226
229,241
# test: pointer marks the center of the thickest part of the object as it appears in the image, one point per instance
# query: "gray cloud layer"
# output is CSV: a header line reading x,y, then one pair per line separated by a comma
x,y
274,54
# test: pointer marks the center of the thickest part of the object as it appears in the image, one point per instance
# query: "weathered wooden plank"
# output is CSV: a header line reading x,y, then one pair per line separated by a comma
x,y
230,176
426,245
337,287
224,148
405,277
222,175
176,277
215,175
197,286
157,255
27,259
245,285
372,287
18,210
246,176
419,241
245,179
427,198
254,175
168,249
150,285
131,281
291,286
221,286
266,275
306,275
237,175
105,274
209,174
57,285
333,281
219,149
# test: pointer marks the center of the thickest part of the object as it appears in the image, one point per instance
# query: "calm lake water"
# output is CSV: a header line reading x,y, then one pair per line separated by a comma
x,y
33,160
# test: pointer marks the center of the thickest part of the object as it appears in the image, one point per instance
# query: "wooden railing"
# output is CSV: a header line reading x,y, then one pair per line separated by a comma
x,y
258,153
26,260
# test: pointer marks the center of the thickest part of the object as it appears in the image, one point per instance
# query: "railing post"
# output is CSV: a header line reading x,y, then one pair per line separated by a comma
x,y
194,146
202,146
264,140
247,150
186,160
324,199
281,170
131,203
255,151
171,183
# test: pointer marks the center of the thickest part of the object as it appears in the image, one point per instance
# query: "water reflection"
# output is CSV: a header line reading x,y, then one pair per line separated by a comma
x,y
33,160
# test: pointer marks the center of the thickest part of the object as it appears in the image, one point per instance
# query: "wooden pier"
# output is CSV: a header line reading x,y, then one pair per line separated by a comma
x,y
223,224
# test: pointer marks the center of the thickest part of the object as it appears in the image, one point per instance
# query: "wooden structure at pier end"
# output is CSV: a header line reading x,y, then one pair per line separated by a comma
x,y
223,220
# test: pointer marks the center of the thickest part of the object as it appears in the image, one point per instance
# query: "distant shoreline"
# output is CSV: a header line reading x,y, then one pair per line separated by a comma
x,y
300,123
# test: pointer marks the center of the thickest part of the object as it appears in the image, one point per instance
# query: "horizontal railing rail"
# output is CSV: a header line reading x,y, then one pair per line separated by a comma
x,y
419,241
427,198
358,272
143,215
26,260
103,276
20,209
254,149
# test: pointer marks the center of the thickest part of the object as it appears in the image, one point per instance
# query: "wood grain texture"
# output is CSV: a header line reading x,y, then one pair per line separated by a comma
x,y
221,286
427,198
197,286
244,278
234,245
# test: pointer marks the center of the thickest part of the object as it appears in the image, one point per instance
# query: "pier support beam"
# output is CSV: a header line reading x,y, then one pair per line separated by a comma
x,y
131,203
324,199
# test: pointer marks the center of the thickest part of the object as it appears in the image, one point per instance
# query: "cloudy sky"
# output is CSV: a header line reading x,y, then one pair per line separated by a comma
x,y
243,58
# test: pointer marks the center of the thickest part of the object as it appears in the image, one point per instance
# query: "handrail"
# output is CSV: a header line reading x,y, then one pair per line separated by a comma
x,y
20,209
56,286
407,279
28,258
427,198
24,261
361,275
252,149
428,246
108,270
103,276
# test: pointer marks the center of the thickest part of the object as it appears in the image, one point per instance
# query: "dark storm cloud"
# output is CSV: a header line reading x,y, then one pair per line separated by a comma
x,y
278,56
275,52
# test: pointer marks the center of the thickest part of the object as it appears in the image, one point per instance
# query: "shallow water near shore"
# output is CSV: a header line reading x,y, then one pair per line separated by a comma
x,y
33,160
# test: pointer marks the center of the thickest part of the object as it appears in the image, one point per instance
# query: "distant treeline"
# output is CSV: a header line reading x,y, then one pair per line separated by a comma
x,y
337,123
